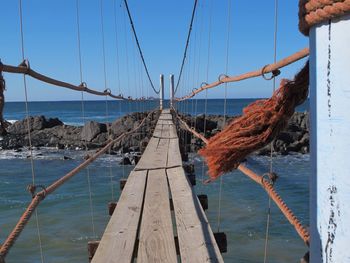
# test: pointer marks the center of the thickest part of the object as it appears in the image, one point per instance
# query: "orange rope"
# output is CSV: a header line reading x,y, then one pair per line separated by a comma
x,y
25,69
266,69
260,123
293,220
11,239
312,12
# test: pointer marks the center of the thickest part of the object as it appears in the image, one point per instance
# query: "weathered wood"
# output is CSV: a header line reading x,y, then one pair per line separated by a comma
x,y
155,156
117,243
122,183
111,207
174,156
156,242
92,247
141,226
196,239
221,241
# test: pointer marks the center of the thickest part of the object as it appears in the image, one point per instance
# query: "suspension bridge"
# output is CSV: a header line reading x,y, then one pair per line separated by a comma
x,y
159,217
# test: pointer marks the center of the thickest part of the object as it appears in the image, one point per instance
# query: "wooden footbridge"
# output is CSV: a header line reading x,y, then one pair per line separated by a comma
x,y
143,225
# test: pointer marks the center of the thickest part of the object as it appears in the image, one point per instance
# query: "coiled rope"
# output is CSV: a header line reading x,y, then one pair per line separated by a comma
x,y
312,12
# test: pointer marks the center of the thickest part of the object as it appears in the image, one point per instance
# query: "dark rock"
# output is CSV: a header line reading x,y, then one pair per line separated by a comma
x,y
36,123
91,129
125,161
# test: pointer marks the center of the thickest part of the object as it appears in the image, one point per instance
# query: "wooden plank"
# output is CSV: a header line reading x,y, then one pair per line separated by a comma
x,y
156,242
117,243
155,156
196,239
174,156
172,131
166,111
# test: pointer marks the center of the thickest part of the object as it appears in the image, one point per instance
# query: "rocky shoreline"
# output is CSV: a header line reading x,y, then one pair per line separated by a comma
x,y
53,132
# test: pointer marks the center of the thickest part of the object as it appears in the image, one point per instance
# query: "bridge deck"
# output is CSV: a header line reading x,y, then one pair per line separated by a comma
x,y
142,226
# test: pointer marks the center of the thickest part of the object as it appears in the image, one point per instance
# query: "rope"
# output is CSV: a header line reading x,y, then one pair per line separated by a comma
x,y
267,68
186,46
25,69
313,12
267,185
11,239
260,123
28,130
139,47
83,117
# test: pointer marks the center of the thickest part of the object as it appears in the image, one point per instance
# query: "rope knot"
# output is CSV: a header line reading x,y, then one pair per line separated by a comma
x,y
31,188
274,73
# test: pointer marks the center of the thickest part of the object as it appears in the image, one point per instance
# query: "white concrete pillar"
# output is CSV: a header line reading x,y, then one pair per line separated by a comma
x,y
330,141
171,90
161,91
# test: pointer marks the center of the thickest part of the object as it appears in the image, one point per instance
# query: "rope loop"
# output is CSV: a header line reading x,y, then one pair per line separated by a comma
x,y
221,76
83,85
204,84
274,73
31,188
25,64
271,178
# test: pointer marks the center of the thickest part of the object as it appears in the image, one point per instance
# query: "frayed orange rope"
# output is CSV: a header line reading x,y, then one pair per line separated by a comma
x,y
260,123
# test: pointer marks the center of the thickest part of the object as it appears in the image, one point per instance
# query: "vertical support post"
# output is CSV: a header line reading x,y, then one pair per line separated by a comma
x,y
171,90
161,91
330,142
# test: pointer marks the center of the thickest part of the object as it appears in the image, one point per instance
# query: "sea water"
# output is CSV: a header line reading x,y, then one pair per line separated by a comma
x,y
67,220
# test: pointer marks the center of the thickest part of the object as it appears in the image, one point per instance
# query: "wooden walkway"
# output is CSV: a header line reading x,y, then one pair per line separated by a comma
x,y
143,227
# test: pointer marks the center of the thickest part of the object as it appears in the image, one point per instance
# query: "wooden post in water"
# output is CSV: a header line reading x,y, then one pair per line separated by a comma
x,y
171,90
330,141
161,91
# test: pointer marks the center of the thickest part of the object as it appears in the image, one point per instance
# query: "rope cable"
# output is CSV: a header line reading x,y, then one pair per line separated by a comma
x,y
28,129
268,219
139,47
186,46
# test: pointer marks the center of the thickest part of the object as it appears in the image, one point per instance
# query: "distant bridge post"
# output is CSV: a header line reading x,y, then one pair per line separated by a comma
x,y
161,91
330,140
171,90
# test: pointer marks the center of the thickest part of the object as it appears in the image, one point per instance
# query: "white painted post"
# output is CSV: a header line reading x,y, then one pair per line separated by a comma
x,y
330,141
171,90
161,92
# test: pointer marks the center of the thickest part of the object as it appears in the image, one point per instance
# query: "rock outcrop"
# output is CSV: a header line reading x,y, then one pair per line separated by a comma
x,y
53,133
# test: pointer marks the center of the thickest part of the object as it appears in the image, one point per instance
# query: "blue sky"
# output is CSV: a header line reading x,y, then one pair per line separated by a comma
x,y
50,37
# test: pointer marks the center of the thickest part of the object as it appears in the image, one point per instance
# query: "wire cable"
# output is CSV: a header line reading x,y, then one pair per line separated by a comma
x,y
268,219
28,129
139,47
225,100
186,46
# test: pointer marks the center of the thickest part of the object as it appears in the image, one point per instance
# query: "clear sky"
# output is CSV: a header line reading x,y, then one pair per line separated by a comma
x,y
50,39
